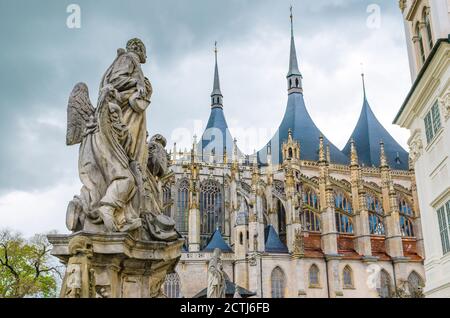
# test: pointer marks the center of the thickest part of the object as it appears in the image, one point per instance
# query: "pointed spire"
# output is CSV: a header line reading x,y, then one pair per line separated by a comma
x,y
294,77
364,85
293,63
353,154
383,160
216,95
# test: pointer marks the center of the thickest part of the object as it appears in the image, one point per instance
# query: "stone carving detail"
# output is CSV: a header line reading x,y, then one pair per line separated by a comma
x,y
299,243
79,281
444,102
120,171
416,147
278,188
216,276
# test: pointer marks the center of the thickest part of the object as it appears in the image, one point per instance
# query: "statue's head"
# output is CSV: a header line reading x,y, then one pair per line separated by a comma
x,y
137,46
159,139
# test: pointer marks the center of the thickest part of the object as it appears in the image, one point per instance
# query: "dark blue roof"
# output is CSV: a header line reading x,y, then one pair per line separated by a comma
x,y
216,136
230,290
217,241
273,242
304,130
367,136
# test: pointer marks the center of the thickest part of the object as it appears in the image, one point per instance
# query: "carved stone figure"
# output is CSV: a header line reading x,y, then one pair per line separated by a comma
x,y
216,276
299,243
79,281
118,168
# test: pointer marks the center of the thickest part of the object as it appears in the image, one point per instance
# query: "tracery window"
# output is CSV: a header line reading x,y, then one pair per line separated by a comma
x,y
310,220
167,200
376,215
210,209
278,283
343,213
314,279
309,215
348,277
172,286
415,285
385,290
406,215
182,206
310,199
281,213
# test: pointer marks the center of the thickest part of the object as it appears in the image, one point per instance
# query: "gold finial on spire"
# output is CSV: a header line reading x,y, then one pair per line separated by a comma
x,y
383,160
353,154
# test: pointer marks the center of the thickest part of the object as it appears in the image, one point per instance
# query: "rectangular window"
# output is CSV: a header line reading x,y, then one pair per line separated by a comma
x,y
436,118
429,128
432,122
444,227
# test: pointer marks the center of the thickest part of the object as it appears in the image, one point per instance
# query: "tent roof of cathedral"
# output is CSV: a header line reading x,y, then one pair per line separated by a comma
x,y
217,241
230,291
304,130
273,242
368,134
217,135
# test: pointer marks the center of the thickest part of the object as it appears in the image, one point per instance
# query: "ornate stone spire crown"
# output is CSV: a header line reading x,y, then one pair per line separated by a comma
x,y
216,95
294,77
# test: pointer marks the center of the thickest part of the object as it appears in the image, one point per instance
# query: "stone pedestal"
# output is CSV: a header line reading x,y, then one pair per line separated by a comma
x,y
114,265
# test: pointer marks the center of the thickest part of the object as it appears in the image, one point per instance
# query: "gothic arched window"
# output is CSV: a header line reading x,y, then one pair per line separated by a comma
x,y
182,206
343,213
310,220
406,215
348,277
415,285
376,215
167,199
385,290
211,210
281,213
278,283
172,286
310,199
427,21
296,82
314,278
420,43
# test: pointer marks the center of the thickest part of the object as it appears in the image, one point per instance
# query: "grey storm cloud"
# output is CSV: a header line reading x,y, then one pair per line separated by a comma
x,y
41,60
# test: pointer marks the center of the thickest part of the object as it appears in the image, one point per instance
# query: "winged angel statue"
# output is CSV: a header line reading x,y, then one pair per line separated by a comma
x,y
118,167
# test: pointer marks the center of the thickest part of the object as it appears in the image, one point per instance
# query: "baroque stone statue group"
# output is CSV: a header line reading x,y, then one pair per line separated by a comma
x,y
122,244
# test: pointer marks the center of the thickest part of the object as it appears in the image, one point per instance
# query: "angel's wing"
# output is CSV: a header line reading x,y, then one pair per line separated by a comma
x,y
79,112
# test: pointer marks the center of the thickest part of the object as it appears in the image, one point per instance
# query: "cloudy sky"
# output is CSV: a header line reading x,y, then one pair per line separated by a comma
x,y
41,59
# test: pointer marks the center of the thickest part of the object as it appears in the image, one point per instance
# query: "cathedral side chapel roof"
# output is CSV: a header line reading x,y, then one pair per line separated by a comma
x,y
273,243
217,241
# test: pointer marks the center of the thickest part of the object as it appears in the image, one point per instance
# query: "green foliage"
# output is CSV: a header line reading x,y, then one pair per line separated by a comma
x,y
26,267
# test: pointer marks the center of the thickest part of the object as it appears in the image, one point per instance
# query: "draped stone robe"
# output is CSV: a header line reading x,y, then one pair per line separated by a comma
x,y
114,154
